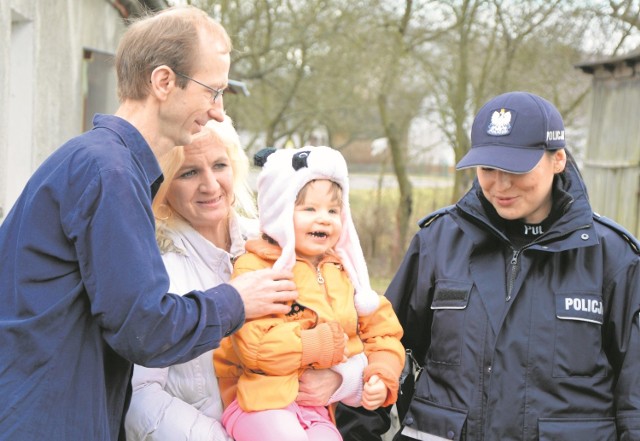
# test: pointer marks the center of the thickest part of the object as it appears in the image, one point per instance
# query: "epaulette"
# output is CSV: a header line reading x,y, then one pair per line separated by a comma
x,y
426,221
625,234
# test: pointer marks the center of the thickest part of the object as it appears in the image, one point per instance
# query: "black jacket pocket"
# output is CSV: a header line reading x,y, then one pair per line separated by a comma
x,y
449,305
425,419
577,429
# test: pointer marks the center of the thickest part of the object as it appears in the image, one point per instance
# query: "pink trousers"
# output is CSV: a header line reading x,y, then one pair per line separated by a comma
x,y
293,423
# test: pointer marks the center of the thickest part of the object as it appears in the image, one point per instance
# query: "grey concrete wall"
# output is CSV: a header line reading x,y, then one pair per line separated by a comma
x,y
41,78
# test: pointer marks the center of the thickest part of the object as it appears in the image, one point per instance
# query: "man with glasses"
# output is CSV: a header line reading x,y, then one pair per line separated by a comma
x,y
215,93
83,289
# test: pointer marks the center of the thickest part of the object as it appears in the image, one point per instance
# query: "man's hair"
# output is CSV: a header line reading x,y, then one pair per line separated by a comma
x,y
170,37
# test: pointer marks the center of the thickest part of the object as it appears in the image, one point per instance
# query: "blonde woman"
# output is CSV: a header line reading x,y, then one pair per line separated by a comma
x,y
204,211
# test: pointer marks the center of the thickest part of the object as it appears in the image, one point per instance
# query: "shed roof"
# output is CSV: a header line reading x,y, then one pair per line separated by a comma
x,y
630,59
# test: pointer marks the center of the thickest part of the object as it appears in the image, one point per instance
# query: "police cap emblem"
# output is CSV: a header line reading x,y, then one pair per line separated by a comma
x,y
500,124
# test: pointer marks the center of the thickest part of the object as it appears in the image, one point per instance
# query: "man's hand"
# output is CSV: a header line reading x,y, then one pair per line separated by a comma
x,y
265,291
317,386
374,393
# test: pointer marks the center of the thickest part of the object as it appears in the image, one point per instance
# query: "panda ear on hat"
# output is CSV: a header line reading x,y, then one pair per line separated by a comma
x,y
260,157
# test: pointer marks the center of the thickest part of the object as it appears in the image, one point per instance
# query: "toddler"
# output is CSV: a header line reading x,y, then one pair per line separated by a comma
x,y
303,204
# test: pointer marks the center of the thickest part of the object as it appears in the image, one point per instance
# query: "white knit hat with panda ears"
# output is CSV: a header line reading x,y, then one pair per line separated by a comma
x,y
283,175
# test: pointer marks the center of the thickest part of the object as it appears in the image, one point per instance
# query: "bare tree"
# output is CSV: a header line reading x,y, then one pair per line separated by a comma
x,y
276,44
493,48
367,69
390,97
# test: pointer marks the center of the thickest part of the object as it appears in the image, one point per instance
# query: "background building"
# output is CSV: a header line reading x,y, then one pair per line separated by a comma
x,y
611,160
56,71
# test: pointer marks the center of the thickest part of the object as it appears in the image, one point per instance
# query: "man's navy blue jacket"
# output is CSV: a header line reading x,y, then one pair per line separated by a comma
x,y
83,291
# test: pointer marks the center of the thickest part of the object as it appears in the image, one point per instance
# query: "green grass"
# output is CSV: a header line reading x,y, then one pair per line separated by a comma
x,y
380,284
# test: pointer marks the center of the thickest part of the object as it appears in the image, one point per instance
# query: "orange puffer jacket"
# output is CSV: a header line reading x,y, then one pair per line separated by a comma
x,y
261,363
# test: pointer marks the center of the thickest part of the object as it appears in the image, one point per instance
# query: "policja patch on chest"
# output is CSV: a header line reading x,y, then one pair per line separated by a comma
x,y
585,307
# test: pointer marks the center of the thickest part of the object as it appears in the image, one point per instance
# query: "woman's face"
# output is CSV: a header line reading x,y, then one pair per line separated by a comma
x,y
202,190
526,197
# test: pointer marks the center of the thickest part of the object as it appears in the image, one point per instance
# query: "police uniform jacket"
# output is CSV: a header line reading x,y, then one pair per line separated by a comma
x,y
537,343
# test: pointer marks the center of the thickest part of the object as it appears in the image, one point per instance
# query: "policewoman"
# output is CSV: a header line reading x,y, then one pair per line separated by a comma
x,y
519,303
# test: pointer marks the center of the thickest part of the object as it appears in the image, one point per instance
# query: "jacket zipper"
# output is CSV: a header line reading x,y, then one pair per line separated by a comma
x,y
512,273
516,254
320,279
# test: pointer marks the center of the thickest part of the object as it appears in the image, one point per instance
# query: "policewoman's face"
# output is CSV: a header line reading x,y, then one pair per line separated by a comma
x,y
526,197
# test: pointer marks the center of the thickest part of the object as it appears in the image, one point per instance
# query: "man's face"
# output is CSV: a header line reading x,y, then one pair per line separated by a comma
x,y
192,107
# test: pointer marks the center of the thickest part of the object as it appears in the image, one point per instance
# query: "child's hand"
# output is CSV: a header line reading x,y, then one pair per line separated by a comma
x,y
374,393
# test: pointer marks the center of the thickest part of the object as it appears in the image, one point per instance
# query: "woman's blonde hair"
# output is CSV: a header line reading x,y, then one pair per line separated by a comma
x,y
219,133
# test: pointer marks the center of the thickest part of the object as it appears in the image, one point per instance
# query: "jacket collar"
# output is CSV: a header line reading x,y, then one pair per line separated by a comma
x,y
270,251
174,235
576,217
136,143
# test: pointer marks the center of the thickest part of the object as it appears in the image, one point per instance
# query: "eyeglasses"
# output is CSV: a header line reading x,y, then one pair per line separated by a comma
x,y
215,93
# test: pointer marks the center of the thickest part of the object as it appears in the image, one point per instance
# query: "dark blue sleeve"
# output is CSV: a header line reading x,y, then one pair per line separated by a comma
x,y
408,292
126,282
622,344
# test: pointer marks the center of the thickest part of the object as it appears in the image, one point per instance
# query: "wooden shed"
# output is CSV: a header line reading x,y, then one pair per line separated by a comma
x,y
611,166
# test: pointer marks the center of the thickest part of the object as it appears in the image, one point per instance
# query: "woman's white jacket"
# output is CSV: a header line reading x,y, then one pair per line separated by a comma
x,y
182,402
